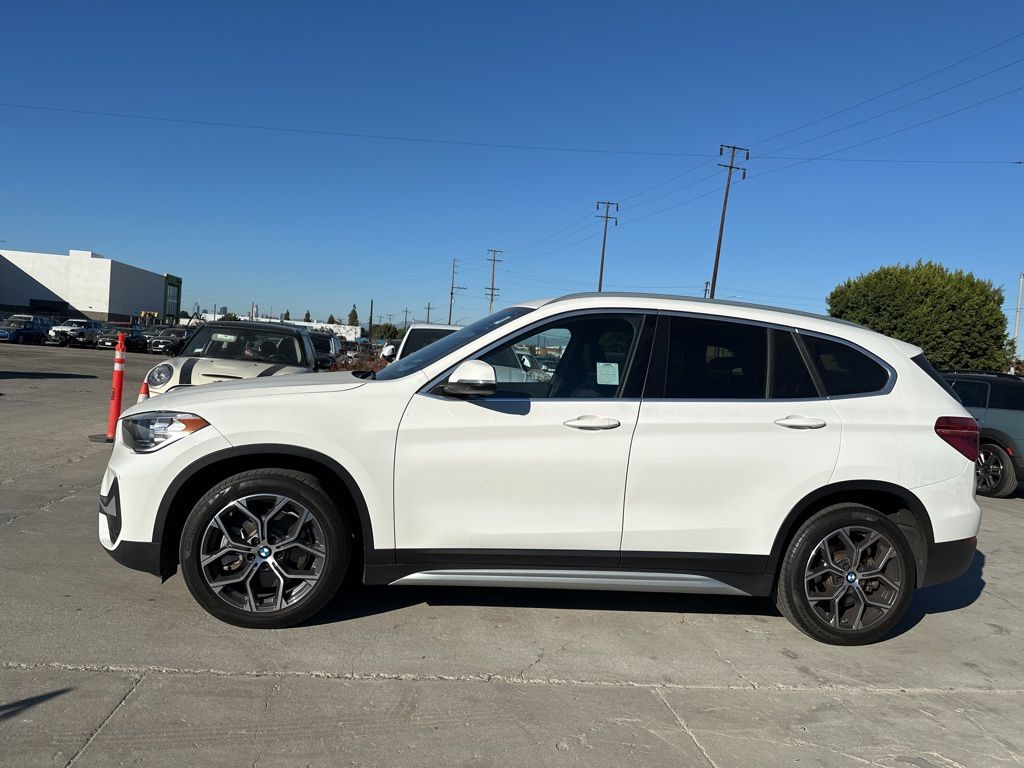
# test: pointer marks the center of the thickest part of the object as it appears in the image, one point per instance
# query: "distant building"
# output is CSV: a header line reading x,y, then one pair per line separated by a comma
x,y
84,284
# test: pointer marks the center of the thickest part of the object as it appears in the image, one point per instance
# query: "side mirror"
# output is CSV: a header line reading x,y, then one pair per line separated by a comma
x,y
473,378
322,362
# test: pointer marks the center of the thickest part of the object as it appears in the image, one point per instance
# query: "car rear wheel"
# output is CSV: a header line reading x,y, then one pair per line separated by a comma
x,y
265,548
995,473
847,576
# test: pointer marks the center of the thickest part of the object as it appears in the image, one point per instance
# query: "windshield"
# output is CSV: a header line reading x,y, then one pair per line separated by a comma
x,y
76,323
434,352
173,333
417,338
17,323
250,344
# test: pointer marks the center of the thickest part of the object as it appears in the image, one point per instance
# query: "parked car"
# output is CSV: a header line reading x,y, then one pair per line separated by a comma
x,y
996,400
230,350
681,445
326,344
16,330
150,332
134,341
417,336
167,341
77,332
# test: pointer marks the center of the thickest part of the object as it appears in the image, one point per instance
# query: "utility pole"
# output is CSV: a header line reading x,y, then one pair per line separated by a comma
x,y
492,291
451,293
369,328
604,240
405,324
1016,322
428,308
728,182
706,284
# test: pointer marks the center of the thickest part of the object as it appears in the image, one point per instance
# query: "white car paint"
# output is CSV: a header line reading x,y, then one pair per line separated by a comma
x,y
681,476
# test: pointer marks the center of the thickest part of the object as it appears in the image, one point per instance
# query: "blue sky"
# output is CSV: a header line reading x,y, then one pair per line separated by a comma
x,y
306,220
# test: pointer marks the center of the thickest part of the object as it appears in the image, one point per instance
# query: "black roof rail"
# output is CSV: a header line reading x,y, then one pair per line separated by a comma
x,y
1001,374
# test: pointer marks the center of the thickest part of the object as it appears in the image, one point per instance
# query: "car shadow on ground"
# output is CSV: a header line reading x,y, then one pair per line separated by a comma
x,y
357,600
951,596
43,375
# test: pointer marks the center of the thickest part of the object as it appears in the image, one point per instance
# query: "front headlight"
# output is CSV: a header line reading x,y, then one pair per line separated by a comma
x,y
148,432
159,375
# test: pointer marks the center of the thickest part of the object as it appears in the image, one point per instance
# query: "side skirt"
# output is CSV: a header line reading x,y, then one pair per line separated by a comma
x,y
622,581
697,573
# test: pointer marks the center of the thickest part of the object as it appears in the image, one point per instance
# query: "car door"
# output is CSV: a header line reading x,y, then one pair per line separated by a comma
x,y
732,433
539,466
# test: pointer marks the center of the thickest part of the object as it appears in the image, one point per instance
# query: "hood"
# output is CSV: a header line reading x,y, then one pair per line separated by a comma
x,y
188,398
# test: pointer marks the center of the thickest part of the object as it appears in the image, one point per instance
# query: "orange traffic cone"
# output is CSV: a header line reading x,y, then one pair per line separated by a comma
x,y
143,392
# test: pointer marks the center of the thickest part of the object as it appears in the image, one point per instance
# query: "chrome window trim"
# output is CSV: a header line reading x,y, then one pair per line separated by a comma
x,y
890,382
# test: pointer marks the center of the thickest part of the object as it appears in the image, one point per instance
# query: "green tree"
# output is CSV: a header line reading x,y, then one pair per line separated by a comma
x,y
382,331
287,315
306,318
955,317
353,316
331,320
229,316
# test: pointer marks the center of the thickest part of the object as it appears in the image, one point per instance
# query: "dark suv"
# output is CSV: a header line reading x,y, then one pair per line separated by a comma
x,y
996,400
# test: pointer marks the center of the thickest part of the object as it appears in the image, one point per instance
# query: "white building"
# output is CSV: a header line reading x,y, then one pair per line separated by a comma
x,y
83,283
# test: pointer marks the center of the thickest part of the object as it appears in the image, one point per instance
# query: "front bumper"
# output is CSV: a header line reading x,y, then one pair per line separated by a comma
x,y
132,489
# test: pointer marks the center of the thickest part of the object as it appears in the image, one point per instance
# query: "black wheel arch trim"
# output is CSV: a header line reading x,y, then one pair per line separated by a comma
x,y
370,554
1000,438
851,488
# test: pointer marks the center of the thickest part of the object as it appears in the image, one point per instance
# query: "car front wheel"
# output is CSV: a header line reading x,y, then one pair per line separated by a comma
x,y
265,548
847,576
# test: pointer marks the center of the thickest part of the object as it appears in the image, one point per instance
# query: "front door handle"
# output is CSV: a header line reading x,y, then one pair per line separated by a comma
x,y
801,422
590,423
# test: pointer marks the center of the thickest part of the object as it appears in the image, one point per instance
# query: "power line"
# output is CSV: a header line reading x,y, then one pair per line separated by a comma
x,y
896,109
343,134
891,90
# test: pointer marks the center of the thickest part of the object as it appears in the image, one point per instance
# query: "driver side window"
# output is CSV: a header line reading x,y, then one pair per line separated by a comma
x,y
588,356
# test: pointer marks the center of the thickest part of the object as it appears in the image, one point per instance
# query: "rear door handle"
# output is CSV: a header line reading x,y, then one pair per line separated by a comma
x,y
801,422
591,423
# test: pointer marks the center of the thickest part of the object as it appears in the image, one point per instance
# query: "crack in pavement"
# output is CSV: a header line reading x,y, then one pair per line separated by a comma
x,y
110,715
685,727
489,677
45,508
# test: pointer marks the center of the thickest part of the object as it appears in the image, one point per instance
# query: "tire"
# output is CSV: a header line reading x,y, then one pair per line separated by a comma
x,y
270,574
20,339
812,584
996,476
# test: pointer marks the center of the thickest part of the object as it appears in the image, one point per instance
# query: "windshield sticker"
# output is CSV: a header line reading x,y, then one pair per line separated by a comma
x,y
608,373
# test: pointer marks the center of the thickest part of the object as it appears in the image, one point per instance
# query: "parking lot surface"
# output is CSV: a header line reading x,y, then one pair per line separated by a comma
x,y
100,665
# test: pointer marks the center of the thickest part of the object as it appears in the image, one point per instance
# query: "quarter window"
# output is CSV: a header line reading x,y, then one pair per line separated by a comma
x,y
716,359
843,369
588,356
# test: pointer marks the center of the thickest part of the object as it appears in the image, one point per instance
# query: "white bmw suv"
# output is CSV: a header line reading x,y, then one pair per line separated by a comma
x,y
679,445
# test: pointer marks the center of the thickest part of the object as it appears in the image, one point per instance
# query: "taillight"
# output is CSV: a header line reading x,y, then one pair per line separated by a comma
x,y
961,432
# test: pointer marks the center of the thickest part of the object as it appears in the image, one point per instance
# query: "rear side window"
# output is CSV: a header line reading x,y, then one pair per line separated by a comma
x,y
1008,397
972,394
843,369
790,378
716,359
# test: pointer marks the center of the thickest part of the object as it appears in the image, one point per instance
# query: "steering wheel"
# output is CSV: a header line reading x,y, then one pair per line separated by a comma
x,y
276,358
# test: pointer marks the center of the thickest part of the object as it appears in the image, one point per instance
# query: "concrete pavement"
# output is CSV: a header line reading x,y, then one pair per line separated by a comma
x,y
102,666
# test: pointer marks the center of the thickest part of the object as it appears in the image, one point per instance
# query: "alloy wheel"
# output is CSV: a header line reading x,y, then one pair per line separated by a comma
x,y
262,553
853,578
989,470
